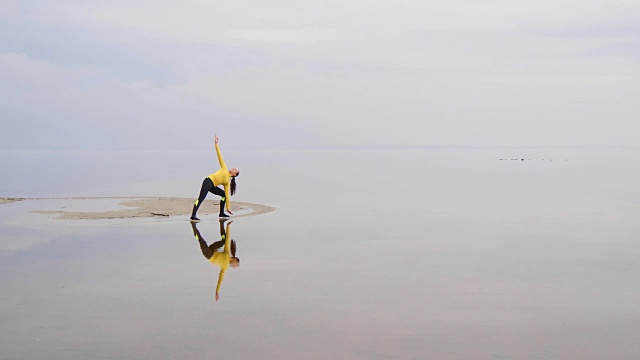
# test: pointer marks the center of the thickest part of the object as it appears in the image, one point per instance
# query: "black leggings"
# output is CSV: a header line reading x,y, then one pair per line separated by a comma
x,y
209,250
207,186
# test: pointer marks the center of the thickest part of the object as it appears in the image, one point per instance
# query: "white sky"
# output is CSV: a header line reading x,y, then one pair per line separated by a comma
x,y
165,74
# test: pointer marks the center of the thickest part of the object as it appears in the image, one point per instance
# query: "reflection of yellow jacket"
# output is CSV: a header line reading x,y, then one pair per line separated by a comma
x,y
222,259
222,177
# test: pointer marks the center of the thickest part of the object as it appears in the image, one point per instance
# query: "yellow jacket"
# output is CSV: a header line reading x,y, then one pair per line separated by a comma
x,y
222,177
222,259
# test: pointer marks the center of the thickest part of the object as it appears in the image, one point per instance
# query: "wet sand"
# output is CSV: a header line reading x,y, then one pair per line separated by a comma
x,y
9,200
147,207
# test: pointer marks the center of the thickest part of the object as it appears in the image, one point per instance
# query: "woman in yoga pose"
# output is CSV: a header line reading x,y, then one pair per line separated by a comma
x,y
224,177
225,258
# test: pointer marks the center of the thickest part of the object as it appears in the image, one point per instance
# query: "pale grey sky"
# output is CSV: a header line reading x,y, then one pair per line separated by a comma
x,y
168,75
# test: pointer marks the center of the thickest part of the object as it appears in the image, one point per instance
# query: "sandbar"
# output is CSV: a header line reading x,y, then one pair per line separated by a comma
x,y
147,207
9,200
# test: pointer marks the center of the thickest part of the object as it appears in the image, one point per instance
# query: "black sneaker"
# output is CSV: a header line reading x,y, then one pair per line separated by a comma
x,y
194,219
223,215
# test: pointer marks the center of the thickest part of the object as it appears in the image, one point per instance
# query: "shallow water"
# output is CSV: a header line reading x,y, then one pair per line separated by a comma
x,y
436,253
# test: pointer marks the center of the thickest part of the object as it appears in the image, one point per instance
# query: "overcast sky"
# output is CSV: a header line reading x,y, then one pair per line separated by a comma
x,y
168,75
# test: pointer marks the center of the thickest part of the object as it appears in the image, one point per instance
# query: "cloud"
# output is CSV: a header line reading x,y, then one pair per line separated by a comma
x,y
199,21
327,73
10,9
75,107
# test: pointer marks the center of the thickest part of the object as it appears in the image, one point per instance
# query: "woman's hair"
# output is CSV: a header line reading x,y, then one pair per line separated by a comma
x,y
233,248
233,184
234,261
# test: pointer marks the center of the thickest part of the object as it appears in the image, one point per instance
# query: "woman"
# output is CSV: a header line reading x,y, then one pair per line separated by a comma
x,y
225,258
224,177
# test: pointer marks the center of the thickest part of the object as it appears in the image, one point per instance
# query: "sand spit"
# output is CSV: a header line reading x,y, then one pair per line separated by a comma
x,y
9,200
150,207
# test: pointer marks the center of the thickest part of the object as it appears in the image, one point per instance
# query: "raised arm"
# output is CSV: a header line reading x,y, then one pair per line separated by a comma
x,y
220,160
227,249
220,279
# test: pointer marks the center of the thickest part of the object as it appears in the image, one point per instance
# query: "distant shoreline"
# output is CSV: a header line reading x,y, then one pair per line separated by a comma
x,y
10,200
144,207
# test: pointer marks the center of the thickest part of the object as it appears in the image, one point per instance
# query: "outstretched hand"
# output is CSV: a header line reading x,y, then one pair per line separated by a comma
x,y
216,139
230,212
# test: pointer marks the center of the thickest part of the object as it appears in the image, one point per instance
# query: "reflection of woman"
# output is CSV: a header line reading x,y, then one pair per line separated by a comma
x,y
224,177
225,258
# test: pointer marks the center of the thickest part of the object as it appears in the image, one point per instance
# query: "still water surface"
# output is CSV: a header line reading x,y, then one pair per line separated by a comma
x,y
405,253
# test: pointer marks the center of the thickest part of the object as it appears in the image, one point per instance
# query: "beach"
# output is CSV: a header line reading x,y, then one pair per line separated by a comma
x,y
143,208
9,200
452,180
462,256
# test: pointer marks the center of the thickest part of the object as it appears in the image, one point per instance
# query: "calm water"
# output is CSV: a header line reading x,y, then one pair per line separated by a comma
x,y
372,254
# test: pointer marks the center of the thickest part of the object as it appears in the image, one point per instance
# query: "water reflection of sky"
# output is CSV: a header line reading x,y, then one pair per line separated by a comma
x,y
414,254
